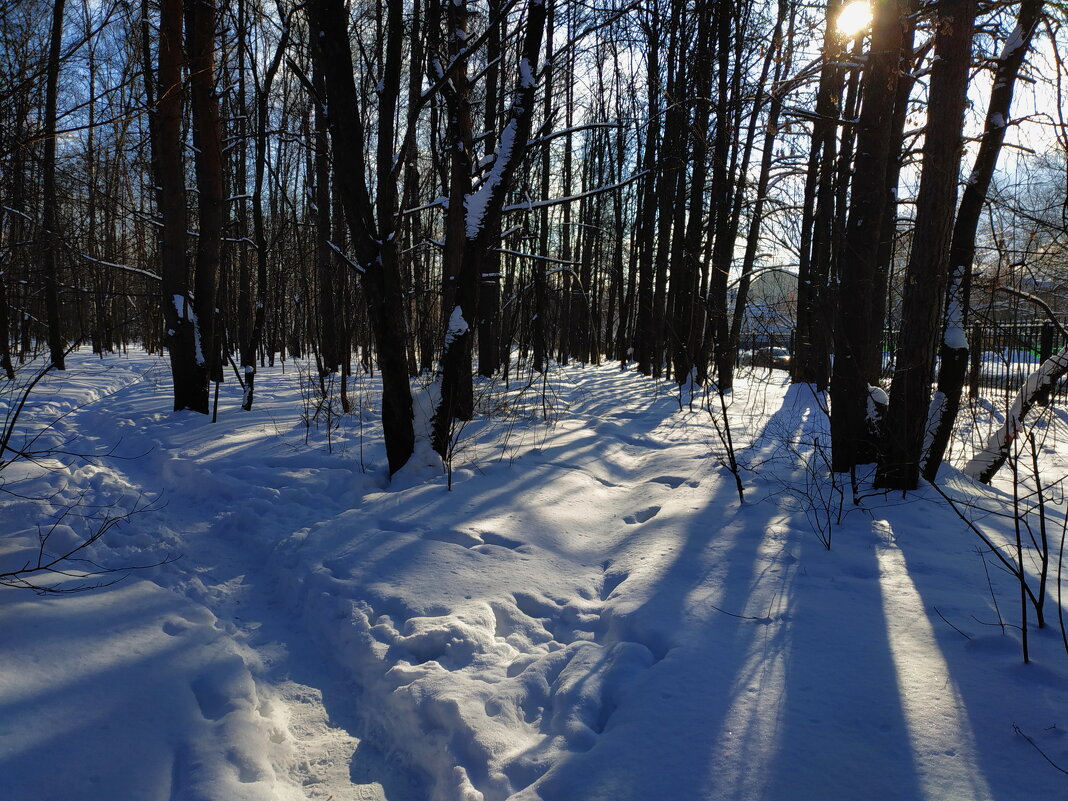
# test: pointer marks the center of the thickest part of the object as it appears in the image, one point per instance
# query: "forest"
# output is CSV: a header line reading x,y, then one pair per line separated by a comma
x,y
514,357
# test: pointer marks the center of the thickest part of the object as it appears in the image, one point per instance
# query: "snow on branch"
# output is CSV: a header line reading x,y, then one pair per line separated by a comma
x,y
346,259
534,256
477,203
147,273
540,204
572,130
441,202
985,464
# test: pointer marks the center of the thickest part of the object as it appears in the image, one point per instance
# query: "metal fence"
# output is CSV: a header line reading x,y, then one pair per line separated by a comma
x,y
1002,355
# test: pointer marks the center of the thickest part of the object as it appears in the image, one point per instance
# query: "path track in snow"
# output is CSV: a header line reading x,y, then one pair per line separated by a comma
x,y
224,517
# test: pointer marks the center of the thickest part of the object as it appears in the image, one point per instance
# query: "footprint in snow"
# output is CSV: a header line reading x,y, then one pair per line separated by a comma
x,y
642,515
213,702
611,581
464,539
491,538
674,482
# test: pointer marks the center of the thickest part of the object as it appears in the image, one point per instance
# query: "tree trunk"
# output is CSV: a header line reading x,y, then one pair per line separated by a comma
x,y
539,318
687,328
489,291
460,273
850,436
953,367
375,244
925,278
200,34
259,232
884,262
811,359
483,208
190,390
645,322
720,204
5,321
329,349
50,200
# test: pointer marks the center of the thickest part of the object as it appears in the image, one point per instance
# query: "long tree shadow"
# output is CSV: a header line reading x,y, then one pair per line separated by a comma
x,y
985,685
778,680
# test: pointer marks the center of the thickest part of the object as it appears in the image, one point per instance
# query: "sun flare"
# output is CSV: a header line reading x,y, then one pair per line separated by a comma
x,y
854,18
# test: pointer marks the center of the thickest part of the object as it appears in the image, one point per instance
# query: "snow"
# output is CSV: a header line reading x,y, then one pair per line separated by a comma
x,y
457,326
1013,43
877,403
476,203
935,412
526,74
954,336
198,350
588,614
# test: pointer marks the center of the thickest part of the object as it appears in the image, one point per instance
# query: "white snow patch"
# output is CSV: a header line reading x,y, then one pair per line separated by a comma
x,y
457,326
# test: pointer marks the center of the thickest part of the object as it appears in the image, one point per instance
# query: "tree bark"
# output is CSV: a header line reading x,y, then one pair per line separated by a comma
x,y
718,328
645,322
329,349
927,270
374,242
483,207
850,436
688,328
252,345
953,367
190,391
5,320
50,201
207,141
490,348
811,361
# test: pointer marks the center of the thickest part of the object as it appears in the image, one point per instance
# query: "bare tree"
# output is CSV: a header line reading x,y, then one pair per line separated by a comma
x,y
50,236
927,271
180,319
373,225
953,366
851,433
482,210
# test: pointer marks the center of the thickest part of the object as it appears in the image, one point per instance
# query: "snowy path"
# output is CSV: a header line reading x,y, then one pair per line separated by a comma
x,y
232,679
588,614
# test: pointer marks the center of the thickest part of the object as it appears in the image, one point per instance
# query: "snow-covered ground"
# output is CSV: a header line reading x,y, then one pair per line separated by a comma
x,y
589,612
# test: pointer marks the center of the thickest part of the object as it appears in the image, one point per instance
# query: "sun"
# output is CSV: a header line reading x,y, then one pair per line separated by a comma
x,y
854,18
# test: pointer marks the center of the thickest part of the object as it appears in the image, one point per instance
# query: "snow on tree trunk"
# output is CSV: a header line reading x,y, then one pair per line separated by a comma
x,y
985,464
482,211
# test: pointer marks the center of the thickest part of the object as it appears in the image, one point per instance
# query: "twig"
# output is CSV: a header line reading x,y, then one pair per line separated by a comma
x,y
990,586
1017,729
764,619
961,633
